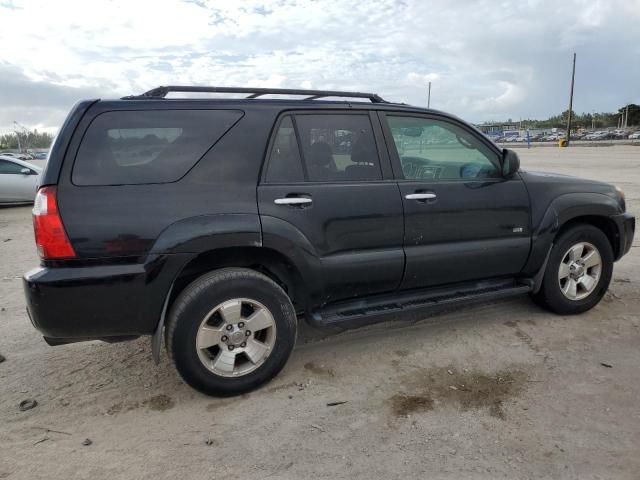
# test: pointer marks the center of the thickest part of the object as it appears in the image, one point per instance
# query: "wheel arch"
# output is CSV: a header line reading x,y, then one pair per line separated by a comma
x,y
267,261
566,211
601,222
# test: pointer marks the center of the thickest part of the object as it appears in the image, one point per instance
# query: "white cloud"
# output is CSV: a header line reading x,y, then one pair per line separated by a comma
x,y
421,80
485,59
510,96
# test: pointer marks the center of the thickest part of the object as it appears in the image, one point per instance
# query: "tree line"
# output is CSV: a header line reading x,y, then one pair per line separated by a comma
x,y
26,140
586,120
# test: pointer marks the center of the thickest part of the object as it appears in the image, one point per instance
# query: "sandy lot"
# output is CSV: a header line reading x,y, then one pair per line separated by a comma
x,y
530,396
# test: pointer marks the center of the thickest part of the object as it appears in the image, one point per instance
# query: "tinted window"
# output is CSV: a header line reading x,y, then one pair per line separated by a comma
x,y
338,148
284,163
7,167
435,150
153,146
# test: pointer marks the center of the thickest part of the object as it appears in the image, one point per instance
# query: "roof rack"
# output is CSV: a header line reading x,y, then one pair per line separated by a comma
x,y
161,92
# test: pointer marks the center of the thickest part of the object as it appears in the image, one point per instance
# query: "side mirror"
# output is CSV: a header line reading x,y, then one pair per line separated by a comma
x,y
26,171
510,163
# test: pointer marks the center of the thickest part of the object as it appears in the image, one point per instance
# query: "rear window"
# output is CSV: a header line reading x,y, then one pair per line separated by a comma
x,y
152,146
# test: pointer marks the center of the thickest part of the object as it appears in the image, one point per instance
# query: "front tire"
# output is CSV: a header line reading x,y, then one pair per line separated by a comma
x,y
230,331
578,271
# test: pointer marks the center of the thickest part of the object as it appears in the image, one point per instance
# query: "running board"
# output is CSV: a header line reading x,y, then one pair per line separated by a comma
x,y
413,304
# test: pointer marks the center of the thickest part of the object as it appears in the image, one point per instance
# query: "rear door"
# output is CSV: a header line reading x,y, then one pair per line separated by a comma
x,y
327,194
463,220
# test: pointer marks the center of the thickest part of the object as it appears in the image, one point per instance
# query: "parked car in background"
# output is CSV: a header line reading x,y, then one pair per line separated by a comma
x,y
19,180
635,135
620,134
40,156
600,135
554,137
20,156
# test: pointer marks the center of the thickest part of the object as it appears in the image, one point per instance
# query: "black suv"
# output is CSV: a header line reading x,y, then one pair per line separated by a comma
x,y
217,223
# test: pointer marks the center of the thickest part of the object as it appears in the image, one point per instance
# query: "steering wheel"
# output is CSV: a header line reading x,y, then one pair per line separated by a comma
x,y
472,170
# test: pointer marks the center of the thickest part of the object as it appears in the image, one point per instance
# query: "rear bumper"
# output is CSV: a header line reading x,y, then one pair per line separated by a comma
x,y
626,226
91,302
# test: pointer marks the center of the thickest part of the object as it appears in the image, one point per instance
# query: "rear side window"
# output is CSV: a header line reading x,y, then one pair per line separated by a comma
x,y
152,146
338,148
284,164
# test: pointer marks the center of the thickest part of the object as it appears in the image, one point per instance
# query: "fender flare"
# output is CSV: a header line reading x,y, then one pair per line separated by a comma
x,y
208,232
561,210
195,235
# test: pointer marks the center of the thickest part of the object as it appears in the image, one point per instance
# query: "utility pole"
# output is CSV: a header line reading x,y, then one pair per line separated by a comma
x,y
429,97
626,117
17,135
18,129
573,77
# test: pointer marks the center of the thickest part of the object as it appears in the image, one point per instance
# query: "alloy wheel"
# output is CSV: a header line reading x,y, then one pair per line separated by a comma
x,y
236,337
579,271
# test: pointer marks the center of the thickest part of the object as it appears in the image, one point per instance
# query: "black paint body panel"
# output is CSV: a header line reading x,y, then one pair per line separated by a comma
x,y
100,301
466,232
558,199
356,240
352,233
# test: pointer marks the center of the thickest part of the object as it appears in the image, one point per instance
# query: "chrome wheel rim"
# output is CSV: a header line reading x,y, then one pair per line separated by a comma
x,y
236,337
579,271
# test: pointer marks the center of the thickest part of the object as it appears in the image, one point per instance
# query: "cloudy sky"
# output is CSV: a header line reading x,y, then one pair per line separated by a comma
x,y
486,59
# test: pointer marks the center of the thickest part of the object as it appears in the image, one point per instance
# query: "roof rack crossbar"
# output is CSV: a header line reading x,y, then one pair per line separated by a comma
x,y
161,92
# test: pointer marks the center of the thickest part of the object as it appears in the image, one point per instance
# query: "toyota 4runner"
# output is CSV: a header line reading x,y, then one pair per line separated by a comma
x,y
215,223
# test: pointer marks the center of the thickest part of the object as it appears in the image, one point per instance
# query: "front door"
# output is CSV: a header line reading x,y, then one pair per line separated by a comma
x,y
463,220
328,198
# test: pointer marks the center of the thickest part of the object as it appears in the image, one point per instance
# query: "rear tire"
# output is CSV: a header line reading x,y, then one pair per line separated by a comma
x,y
230,331
578,271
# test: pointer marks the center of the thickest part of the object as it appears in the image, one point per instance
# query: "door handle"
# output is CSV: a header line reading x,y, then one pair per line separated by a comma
x,y
420,196
293,201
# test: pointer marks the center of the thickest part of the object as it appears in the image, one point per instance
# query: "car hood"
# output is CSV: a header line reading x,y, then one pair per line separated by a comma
x,y
559,178
556,184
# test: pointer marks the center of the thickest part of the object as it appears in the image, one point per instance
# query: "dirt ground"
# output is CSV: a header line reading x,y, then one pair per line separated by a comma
x,y
501,390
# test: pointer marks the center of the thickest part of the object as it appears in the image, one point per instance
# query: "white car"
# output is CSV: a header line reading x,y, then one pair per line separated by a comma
x,y
19,181
601,135
635,135
19,156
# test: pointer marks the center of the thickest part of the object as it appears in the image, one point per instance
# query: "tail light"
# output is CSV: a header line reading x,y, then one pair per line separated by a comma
x,y
51,239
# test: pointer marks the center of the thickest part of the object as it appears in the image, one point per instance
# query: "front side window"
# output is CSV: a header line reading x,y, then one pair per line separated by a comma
x,y
10,168
150,146
435,150
338,148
